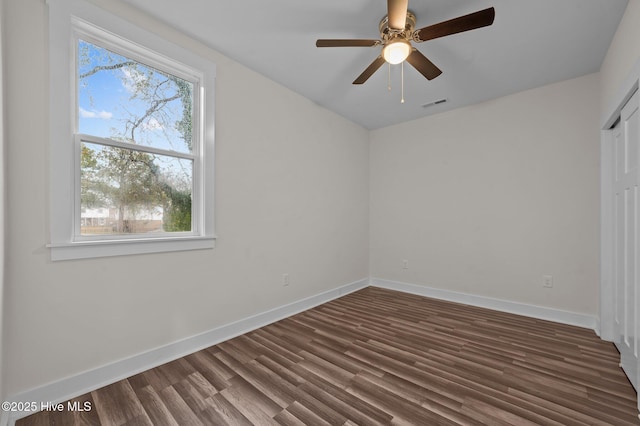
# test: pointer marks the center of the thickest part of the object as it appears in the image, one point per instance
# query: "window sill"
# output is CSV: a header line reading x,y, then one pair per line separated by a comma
x,y
93,249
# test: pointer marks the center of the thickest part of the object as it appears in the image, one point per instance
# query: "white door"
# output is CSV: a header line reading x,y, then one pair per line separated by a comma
x,y
626,227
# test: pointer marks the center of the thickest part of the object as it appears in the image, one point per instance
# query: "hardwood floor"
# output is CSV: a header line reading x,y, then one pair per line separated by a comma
x,y
378,357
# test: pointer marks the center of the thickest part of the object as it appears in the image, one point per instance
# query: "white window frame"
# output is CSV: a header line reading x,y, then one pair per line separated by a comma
x,y
70,20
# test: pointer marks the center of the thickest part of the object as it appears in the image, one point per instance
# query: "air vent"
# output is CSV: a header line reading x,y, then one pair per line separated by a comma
x,y
438,102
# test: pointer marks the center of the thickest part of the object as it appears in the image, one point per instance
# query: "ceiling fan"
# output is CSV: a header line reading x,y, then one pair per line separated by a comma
x,y
397,31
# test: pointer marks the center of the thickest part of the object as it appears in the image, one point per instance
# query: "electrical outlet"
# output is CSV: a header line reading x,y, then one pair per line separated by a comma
x,y
285,280
547,281
405,264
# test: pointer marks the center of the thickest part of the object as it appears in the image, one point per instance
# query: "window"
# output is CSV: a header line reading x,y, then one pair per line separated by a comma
x,y
132,171
136,145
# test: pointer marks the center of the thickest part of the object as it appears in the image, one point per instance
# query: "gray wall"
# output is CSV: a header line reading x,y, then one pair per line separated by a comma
x,y
489,198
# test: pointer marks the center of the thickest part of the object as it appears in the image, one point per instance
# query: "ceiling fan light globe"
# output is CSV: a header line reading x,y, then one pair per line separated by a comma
x,y
396,51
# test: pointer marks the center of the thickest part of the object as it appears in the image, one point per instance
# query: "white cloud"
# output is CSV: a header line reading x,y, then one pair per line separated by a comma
x,y
132,78
152,124
104,115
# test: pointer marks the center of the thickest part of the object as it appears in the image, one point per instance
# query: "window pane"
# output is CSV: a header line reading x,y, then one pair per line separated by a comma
x,y
130,192
125,100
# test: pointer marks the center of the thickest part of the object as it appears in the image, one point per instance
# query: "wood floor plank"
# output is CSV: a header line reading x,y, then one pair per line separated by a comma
x,y
212,417
443,407
396,405
341,405
285,418
154,378
325,390
492,414
211,369
141,420
181,412
562,408
306,416
519,408
154,407
117,403
204,387
320,409
175,371
190,395
223,409
245,404
269,383
282,367
378,357
273,342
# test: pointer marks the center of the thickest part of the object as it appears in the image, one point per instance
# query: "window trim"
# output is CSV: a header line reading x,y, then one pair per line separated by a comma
x,y
69,20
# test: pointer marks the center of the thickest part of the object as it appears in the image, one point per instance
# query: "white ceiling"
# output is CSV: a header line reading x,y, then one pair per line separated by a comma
x,y
530,44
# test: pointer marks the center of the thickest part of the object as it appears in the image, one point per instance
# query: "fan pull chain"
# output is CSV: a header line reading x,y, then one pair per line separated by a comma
x,y
389,79
402,80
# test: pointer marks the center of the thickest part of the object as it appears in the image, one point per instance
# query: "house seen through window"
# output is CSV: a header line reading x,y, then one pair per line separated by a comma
x,y
136,146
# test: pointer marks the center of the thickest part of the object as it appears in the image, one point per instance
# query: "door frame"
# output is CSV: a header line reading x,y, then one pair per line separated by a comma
x,y
605,326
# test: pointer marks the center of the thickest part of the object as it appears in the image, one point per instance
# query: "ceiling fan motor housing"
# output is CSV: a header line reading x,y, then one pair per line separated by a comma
x,y
387,34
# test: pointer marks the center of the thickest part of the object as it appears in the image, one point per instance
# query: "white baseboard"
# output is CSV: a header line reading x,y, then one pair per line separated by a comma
x,y
539,312
71,387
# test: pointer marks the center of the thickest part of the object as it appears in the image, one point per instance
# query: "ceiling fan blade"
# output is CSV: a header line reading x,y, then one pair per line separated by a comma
x,y
472,21
423,65
397,12
377,63
346,43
